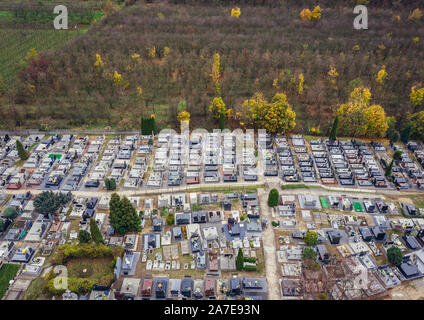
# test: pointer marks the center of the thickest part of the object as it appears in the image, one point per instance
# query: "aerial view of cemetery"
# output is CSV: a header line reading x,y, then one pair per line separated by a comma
x,y
130,219
244,150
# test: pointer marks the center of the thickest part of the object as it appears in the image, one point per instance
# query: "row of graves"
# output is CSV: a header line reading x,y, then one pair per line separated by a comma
x,y
408,173
418,150
286,160
58,163
405,172
353,161
113,163
12,177
138,169
322,162
161,162
189,288
304,159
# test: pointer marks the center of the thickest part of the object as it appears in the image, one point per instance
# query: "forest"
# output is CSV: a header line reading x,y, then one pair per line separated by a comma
x,y
160,57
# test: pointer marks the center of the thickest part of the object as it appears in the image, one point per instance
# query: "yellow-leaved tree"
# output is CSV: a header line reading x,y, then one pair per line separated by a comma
x,y
301,81
183,116
416,97
275,116
235,12
416,123
313,16
357,118
381,75
415,15
99,64
216,72
333,74
218,108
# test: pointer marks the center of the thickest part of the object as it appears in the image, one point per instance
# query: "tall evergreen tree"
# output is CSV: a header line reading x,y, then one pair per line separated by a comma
x,y
334,128
240,260
96,235
123,216
23,154
404,137
389,169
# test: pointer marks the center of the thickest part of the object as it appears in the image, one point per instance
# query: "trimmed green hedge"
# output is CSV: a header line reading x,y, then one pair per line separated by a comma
x,y
250,268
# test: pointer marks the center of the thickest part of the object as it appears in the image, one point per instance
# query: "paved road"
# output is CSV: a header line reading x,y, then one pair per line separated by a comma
x,y
270,253
274,182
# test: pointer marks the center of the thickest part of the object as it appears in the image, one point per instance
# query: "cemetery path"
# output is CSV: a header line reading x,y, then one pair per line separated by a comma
x,y
270,253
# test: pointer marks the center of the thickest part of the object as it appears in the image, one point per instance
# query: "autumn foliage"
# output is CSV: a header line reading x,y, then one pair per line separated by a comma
x,y
275,116
358,118
308,15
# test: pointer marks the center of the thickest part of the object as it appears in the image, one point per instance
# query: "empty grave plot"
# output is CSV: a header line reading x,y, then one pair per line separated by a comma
x,y
357,206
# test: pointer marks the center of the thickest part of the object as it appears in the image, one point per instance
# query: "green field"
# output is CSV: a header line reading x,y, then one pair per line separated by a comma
x,y
324,202
17,42
358,207
7,273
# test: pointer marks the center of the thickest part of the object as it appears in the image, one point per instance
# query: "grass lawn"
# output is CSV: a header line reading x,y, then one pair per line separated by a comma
x,y
89,268
324,203
7,273
34,289
419,203
297,186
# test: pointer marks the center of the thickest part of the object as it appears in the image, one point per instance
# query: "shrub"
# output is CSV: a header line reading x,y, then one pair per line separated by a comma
x,y
170,219
250,259
250,267
273,198
84,236
395,256
110,184
84,250
311,238
309,254
10,213
274,223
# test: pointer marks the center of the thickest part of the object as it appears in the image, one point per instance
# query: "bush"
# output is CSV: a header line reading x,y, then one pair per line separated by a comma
x,y
311,238
10,213
95,232
110,184
274,223
309,254
273,198
84,250
250,268
49,202
84,236
250,259
170,219
395,256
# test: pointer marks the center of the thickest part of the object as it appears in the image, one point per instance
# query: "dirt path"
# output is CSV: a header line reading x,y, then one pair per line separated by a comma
x,y
270,254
